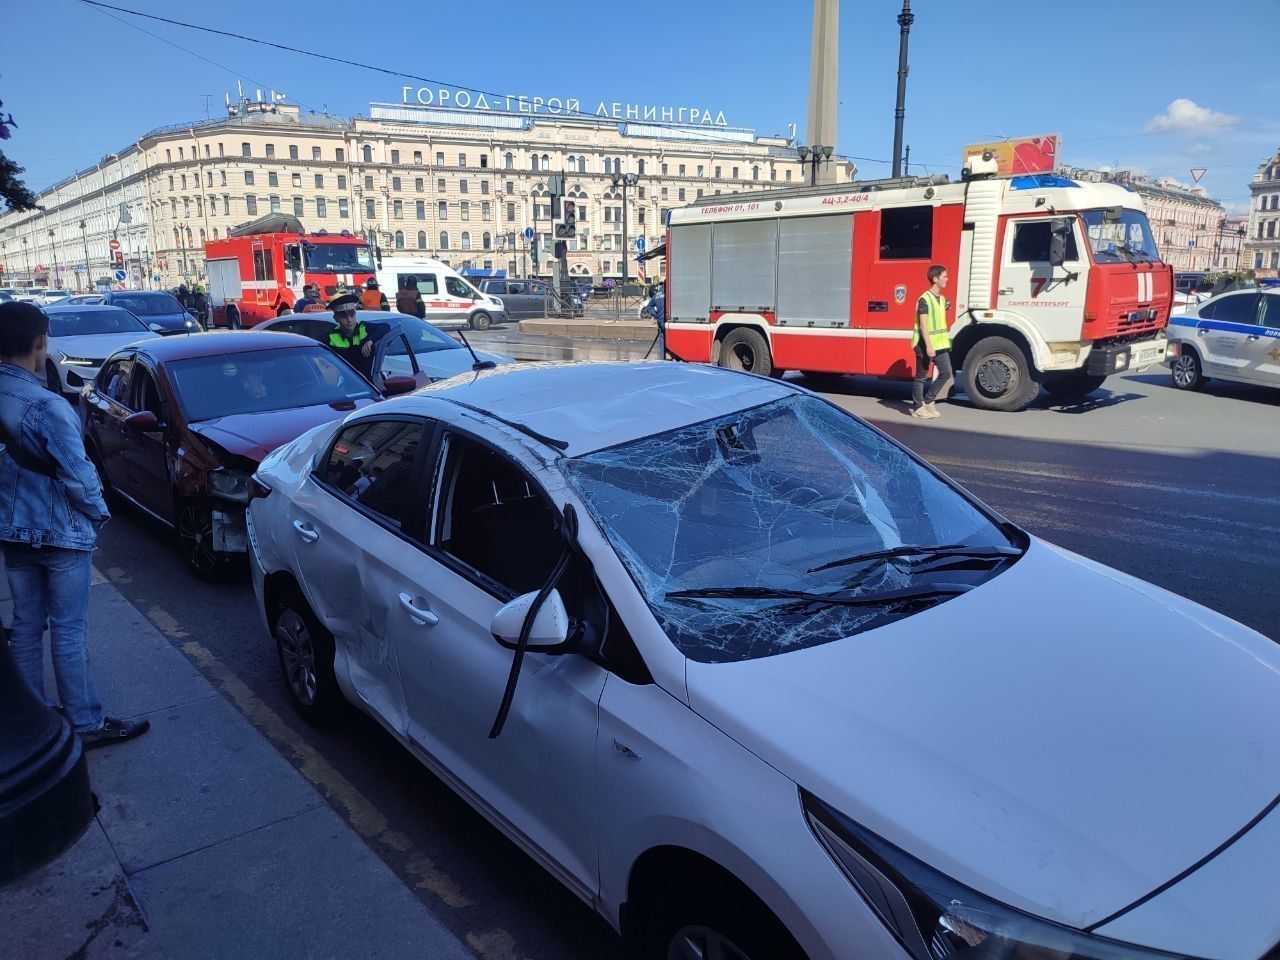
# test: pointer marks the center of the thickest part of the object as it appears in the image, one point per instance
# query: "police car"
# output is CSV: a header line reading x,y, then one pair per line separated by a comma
x,y
1233,336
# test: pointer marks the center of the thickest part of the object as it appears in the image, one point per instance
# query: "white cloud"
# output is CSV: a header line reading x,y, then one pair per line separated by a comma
x,y
1187,116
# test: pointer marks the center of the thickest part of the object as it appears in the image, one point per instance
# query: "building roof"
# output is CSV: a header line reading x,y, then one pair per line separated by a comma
x,y
591,406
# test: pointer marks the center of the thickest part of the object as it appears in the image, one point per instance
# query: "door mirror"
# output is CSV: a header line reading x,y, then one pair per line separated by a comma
x,y
550,630
1058,241
142,422
395,385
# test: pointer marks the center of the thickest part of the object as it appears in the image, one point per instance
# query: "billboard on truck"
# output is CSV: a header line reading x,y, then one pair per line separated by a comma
x,y
1022,155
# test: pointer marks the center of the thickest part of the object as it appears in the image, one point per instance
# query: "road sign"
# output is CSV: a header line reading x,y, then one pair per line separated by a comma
x,y
80,266
1198,172
120,275
113,244
528,233
640,244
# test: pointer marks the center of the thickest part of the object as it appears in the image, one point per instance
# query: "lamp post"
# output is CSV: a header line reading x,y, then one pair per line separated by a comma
x,y
57,270
905,19
625,180
88,274
26,259
812,157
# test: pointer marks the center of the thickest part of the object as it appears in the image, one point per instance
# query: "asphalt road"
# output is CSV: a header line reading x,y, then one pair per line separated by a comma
x,y
1179,489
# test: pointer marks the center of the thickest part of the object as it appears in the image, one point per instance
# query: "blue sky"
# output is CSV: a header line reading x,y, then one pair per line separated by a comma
x,y
83,83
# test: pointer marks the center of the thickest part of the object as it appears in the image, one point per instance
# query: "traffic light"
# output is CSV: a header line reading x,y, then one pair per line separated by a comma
x,y
533,252
566,227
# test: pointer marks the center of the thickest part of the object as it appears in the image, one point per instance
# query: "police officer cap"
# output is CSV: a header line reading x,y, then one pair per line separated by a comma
x,y
344,302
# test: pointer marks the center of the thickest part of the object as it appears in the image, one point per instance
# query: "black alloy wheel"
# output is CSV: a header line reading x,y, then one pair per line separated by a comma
x,y
1186,371
195,541
305,650
701,918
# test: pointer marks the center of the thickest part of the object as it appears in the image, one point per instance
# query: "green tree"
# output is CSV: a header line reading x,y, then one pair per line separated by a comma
x,y
13,191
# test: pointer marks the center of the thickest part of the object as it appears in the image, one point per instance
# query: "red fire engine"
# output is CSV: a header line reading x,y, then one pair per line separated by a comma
x,y
262,266
1054,283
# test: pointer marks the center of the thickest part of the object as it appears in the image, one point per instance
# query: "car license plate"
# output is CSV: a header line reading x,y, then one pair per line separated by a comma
x,y
1146,356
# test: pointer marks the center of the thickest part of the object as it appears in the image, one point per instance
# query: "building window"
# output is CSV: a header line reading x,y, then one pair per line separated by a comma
x,y
509,161
464,210
1257,260
546,162
511,187
533,161
367,153
293,151
171,187
297,179
484,210
322,207
315,153
370,209
773,174
662,192
208,178
342,181
222,179
186,206
368,183
344,209
244,150
275,203
444,240
604,266
399,240
680,194
420,210
511,213
463,187
422,240
184,181
1275,260
484,186
297,206
755,173
442,210
462,159
397,209
341,155
466,240
441,185
735,173
271,150
681,168
395,158
273,180
487,241
640,166
640,192
168,155
319,181
718,173
395,183
417,158
640,215
664,169
440,159
788,176
417,184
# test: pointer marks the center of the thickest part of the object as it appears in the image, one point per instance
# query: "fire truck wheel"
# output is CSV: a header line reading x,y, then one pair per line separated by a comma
x,y
1077,386
481,320
998,375
745,349
233,317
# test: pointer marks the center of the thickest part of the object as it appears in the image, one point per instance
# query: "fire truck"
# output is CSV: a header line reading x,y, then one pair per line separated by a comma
x,y
1053,282
262,266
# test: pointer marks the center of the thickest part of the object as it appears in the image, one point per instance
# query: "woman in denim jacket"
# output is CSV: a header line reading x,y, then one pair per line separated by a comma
x,y
51,508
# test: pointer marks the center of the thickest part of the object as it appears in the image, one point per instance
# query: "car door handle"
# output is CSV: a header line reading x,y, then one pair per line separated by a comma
x,y
305,532
1255,336
424,618
1201,331
877,306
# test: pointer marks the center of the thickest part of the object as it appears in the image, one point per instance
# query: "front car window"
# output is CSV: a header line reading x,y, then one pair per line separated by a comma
x,y
264,380
422,338
777,498
371,462
147,304
80,323
1126,239
113,381
338,257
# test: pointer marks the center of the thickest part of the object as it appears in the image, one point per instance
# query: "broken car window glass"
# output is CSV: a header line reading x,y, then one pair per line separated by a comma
x,y
785,498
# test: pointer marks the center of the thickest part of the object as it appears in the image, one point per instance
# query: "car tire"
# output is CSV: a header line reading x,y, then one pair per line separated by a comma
x,y
480,321
1077,386
998,375
195,542
1186,371
233,317
305,651
747,350
696,918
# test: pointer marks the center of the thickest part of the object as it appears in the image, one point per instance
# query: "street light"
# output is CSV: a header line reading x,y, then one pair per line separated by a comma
x,y
57,270
814,155
26,260
88,274
625,180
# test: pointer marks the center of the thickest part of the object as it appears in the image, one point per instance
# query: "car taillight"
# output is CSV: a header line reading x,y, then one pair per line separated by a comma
x,y
258,490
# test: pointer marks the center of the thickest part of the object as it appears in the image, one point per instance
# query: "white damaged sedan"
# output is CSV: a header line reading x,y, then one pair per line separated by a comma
x,y
756,682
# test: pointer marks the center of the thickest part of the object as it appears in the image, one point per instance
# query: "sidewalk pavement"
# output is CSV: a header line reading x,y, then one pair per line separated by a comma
x,y
207,843
591,328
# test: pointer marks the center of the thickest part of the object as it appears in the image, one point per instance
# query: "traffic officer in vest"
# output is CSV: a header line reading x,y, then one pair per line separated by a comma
x,y
351,340
373,298
932,343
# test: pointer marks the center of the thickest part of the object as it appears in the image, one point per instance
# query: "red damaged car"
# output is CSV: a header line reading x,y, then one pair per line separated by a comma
x,y
177,426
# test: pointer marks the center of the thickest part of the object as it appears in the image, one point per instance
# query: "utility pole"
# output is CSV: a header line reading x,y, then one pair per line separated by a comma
x,y
905,19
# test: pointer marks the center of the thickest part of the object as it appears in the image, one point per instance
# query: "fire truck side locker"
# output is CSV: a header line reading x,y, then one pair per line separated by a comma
x,y
224,287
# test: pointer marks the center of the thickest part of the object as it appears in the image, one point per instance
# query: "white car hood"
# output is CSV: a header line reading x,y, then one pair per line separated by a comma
x,y
1064,738
97,346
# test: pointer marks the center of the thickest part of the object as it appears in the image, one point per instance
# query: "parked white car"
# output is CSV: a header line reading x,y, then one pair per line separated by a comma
x,y
1233,336
81,337
788,691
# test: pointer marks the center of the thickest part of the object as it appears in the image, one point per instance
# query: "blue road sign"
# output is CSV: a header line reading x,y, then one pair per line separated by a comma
x,y
79,266
528,233
120,275
639,243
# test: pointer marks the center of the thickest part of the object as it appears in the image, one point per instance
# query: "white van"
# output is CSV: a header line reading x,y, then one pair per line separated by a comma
x,y
434,291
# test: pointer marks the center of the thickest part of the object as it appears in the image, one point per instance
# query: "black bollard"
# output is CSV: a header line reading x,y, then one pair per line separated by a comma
x,y
45,803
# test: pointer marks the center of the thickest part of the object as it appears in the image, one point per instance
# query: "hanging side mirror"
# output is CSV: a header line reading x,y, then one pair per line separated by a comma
x,y
1058,241
549,632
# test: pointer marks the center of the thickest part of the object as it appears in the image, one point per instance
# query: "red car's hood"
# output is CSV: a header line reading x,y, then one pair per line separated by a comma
x,y
254,435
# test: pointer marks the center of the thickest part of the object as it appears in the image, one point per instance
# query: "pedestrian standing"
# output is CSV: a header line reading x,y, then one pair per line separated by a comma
x,y
310,302
932,343
52,509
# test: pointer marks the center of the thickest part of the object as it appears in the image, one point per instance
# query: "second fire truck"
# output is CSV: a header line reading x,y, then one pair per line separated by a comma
x,y
262,266
1054,282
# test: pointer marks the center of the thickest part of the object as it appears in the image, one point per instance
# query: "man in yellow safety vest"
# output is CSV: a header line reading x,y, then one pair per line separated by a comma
x,y
932,344
351,340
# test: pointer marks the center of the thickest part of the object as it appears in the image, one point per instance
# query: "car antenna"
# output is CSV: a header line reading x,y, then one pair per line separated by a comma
x,y
479,364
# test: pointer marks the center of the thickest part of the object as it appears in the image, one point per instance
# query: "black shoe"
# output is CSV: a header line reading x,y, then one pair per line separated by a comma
x,y
114,731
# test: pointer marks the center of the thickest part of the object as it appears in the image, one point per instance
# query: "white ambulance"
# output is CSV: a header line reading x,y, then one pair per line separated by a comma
x,y
434,291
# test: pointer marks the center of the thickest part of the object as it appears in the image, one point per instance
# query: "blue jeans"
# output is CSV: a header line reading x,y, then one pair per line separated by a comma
x,y
51,585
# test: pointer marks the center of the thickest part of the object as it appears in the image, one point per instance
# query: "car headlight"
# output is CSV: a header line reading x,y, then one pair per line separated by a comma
x,y
76,361
230,484
937,918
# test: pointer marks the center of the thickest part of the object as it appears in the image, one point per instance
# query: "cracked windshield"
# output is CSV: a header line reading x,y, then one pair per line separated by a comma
x,y
783,527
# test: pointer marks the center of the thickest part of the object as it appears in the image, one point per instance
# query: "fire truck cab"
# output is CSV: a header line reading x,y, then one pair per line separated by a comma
x,y
262,266
1053,282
